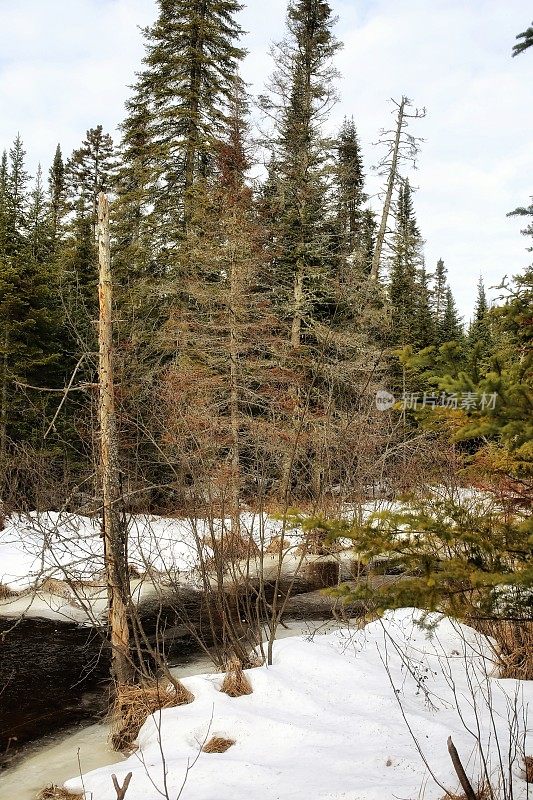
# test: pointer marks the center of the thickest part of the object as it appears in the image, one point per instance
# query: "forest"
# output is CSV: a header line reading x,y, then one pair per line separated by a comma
x,y
228,376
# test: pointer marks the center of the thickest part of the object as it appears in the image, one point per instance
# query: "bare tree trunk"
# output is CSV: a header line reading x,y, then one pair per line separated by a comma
x,y
234,403
114,525
459,769
3,406
296,328
393,174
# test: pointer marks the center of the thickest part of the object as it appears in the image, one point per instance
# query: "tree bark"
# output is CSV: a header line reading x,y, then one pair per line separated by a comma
x,y
114,525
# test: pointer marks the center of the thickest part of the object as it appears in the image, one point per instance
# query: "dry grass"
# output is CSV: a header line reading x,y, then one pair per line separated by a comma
x,y
235,683
53,792
277,545
54,586
230,548
515,647
6,592
134,704
482,793
528,769
218,744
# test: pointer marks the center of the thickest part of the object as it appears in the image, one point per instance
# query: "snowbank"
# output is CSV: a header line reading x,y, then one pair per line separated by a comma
x,y
325,722
39,552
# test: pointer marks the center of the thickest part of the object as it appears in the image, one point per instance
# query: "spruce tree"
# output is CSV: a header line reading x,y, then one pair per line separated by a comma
x,y
30,347
440,284
448,324
450,328
480,342
180,102
57,195
406,262
90,170
17,198
4,213
39,231
349,185
527,41
301,91
424,329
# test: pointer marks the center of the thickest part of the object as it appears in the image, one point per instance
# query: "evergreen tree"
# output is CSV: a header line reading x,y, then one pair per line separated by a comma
x,y
480,342
4,213
30,348
440,285
180,103
349,186
90,170
404,282
301,92
39,221
450,328
16,196
424,328
527,37
57,195
134,221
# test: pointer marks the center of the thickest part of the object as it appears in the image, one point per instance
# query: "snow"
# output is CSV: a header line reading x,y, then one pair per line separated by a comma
x,y
326,721
37,546
55,560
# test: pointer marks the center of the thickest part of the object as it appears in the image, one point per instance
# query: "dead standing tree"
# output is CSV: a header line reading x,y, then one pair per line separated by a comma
x,y
114,523
401,146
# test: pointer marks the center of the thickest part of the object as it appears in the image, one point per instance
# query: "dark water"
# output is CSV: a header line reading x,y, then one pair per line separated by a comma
x,y
55,674
51,674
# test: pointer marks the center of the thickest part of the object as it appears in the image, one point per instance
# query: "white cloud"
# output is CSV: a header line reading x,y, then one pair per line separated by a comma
x,y
65,66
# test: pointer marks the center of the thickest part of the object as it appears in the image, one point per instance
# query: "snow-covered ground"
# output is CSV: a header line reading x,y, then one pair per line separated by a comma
x,y
41,553
330,719
55,562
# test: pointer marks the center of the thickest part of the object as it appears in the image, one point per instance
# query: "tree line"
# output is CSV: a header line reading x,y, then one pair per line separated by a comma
x,y
255,318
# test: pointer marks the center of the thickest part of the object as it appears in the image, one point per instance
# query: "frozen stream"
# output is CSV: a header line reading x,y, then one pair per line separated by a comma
x,y
55,759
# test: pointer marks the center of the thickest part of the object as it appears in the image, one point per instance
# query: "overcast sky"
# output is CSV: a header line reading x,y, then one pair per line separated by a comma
x,y
65,66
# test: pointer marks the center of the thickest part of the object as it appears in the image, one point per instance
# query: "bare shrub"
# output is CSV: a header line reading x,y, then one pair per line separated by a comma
x,y
229,548
235,683
134,704
218,744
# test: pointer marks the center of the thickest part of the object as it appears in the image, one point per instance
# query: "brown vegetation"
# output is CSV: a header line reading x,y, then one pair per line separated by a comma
x,y
483,793
323,574
6,592
235,683
53,792
134,704
218,744
514,642
528,769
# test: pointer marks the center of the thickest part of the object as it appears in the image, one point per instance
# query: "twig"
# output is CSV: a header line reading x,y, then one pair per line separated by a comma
x,y
65,395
